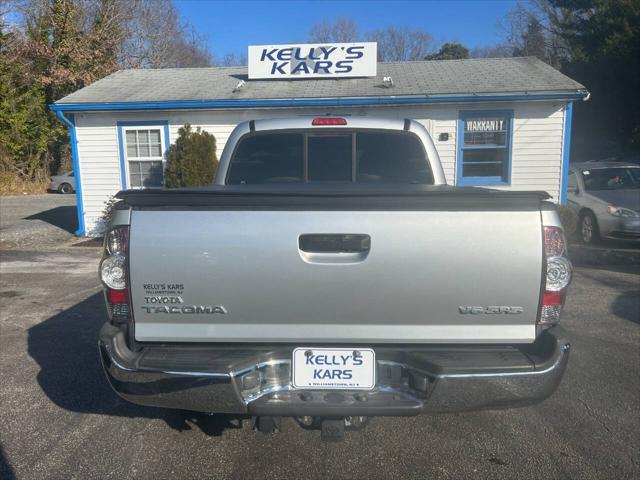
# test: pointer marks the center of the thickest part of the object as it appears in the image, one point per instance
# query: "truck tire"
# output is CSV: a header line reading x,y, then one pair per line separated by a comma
x,y
588,229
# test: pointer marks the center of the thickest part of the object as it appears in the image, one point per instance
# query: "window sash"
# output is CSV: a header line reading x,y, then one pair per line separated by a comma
x,y
141,171
483,147
139,143
144,156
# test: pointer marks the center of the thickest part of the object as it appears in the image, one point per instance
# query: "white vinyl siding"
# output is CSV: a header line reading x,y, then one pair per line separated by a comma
x,y
536,144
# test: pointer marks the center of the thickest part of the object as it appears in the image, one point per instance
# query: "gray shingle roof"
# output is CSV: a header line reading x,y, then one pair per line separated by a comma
x,y
445,77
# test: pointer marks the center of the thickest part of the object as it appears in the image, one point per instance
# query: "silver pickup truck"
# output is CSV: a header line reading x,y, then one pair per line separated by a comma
x,y
330,275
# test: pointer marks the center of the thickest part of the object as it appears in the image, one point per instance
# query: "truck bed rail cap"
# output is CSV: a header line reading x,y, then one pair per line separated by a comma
x,y
337,197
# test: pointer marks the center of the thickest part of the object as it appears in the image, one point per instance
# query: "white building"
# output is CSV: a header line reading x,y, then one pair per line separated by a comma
x,y
121,126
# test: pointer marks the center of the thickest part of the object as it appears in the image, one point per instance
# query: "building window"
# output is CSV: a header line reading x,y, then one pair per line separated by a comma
x,y
484,150
144,160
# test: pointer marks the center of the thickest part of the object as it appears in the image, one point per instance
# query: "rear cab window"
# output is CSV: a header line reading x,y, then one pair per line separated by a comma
x,y
343,156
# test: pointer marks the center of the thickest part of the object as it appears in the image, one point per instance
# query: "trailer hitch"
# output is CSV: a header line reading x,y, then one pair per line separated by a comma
x,y
332,430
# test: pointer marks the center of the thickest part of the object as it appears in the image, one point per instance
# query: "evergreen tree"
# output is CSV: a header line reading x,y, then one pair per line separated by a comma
x,y
60,46
25,128
533,42
192,159
450,51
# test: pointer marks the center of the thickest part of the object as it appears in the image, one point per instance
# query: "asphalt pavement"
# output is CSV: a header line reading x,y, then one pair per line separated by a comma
x,y
37,220
60,419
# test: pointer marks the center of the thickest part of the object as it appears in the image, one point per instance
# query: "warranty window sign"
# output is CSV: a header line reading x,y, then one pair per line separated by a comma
x,y
313,60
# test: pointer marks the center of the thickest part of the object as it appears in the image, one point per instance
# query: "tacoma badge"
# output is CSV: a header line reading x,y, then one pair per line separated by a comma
x,y
206,309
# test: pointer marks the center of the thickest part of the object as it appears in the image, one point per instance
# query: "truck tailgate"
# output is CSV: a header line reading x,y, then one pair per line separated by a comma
x,y
242,275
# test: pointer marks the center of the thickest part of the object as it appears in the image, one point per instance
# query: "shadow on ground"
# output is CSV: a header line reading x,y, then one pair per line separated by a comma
x,y
6,472
606,257
627,306
65,348
63,217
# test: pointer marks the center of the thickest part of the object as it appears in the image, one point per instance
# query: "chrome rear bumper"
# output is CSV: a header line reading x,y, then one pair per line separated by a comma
x,y
411,379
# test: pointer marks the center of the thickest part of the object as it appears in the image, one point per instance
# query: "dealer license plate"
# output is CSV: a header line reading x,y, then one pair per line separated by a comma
x,y
334,368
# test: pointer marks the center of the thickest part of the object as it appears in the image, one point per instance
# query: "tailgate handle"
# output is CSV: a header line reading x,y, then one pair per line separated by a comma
x,y
334,243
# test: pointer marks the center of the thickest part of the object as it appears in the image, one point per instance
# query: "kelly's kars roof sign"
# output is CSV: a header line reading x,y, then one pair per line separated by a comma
x,y
412,82
312,60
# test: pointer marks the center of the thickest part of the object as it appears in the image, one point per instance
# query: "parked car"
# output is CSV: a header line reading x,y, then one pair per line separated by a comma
x,y
606,197
330,274
65,183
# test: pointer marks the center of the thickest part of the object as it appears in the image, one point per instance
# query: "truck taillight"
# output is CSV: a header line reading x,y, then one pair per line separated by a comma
x,y
117,296
557,276
114,275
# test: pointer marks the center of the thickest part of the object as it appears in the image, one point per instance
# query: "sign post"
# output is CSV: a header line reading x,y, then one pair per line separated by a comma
x,y
333,60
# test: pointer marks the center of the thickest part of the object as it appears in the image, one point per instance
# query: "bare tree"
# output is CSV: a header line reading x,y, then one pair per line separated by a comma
x,y
532,27
343,30
154,36
8,32
5,8
233,60
493,51
320,32
191,51
401,44
137,33
394,44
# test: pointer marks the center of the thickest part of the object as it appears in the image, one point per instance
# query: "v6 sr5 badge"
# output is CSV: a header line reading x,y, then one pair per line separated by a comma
x,y
490,310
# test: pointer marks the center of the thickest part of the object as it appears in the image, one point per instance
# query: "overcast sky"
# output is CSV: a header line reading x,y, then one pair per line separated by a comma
x,y
231,26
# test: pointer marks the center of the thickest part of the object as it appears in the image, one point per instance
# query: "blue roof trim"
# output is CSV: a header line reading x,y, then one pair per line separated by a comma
x,y
312,102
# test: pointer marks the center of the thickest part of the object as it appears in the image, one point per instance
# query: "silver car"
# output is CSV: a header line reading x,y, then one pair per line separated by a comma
x,y
65,183
606,197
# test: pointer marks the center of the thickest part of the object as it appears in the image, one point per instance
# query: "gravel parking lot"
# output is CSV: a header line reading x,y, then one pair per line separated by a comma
x,y
59,418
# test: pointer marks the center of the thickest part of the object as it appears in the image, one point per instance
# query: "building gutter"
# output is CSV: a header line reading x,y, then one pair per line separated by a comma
x,y
234,103
566,152
69,122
